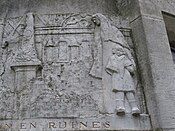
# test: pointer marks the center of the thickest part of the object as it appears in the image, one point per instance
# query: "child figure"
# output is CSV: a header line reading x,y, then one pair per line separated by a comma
x,y
121,69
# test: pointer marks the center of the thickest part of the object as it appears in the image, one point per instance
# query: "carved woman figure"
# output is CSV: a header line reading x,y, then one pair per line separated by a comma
x,y
121,69
104,33
120,65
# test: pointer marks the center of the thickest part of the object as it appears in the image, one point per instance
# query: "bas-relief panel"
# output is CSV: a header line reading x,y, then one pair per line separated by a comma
x,y
69,66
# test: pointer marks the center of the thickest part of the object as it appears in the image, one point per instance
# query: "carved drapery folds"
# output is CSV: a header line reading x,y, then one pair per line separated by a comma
x,y
113,49
66,65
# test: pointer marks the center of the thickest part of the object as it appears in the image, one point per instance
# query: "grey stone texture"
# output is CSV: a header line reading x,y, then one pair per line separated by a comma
x,y
155,60
85,65
54,67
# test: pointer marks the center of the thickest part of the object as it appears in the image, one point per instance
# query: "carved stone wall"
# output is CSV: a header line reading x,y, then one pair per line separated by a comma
x,y
62,68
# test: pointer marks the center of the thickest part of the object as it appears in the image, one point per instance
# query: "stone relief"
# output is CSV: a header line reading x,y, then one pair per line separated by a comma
x,y
64,20
63,67
121,69
112,47
104,32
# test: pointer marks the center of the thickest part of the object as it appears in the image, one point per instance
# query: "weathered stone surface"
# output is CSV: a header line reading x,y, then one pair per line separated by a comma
x,y
109,122
56,67
155,60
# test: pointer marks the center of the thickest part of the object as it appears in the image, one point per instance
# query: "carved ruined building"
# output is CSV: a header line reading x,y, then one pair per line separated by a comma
x,y
87,65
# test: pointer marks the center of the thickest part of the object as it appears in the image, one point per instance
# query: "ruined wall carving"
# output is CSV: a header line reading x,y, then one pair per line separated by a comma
x,y
62,65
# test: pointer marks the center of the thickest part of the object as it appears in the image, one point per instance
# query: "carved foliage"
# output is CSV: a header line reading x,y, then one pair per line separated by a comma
x,y
64,20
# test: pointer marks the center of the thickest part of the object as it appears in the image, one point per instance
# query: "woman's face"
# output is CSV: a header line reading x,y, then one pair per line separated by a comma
x,y
96,20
